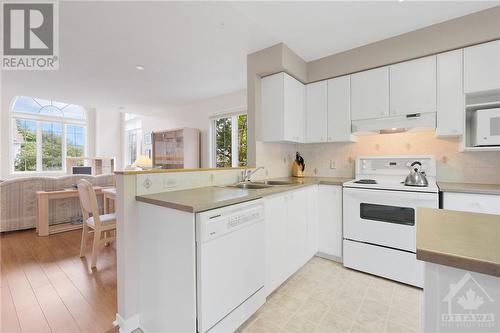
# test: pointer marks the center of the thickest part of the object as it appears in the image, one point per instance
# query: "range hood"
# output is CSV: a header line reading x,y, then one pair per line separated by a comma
x,y
397,124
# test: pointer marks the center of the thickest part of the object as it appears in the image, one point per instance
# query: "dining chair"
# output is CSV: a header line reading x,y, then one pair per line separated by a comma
x,y
101,225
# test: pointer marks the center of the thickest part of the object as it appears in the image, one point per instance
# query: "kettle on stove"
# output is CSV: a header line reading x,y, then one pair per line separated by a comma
x,y
416,176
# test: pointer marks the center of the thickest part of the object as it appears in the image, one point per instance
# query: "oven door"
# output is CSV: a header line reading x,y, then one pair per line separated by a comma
x,y
383,217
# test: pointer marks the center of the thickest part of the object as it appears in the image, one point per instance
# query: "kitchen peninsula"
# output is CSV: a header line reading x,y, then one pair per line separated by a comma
x,y
462,269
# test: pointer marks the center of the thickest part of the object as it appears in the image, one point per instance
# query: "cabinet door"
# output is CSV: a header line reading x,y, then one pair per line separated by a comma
x,y
276,244
294,110
482,67
370,94
296,230
450,95
339,109
413,86
476,203
316,112
312,221
330,220
272,108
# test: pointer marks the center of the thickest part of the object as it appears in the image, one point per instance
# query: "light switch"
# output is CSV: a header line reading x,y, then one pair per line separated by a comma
x,y
332,164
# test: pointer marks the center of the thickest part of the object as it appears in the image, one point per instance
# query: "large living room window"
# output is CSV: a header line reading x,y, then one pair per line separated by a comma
x,y
44,133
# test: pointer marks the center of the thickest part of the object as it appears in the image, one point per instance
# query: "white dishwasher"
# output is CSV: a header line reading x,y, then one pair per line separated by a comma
x,y
230,265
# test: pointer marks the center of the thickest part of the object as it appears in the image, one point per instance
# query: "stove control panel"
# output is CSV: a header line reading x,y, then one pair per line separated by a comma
x,y
393,165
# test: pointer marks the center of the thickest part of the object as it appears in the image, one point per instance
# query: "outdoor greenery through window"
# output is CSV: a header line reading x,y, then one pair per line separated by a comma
x,y
45,133
230,141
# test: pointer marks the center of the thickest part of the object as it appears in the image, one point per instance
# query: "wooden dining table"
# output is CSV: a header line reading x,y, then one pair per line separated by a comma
x,y
43,197
109,194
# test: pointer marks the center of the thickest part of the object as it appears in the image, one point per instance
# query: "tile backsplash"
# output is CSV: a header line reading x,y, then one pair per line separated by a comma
x,y
452,165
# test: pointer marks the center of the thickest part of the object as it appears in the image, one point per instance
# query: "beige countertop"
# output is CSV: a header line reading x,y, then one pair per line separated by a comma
x,y
147,171
469,188
206,198
469,241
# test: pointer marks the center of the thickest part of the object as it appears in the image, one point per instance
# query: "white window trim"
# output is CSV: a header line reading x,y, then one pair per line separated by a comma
x,y
234,136
134,123
39,119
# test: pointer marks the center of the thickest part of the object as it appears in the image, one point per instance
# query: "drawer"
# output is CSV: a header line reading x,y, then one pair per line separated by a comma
x,y
468,202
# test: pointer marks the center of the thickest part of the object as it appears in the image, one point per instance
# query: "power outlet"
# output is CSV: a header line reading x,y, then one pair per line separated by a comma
x,y
169,183
332,164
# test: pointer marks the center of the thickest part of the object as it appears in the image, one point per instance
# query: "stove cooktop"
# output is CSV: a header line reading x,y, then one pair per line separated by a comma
x,y
391,184
366,181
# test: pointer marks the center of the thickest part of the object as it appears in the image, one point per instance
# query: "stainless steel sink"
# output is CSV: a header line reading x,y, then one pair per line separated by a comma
x,y
251,186
278,182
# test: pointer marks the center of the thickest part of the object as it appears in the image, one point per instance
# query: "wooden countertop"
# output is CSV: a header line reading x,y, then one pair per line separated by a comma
x,y
464,240
207,198
469,188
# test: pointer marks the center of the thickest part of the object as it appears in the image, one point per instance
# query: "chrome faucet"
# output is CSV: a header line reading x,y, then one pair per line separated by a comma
x,y
247,173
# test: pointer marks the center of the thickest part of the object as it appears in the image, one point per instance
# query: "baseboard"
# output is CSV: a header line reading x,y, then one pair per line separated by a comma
x,y
129,325
329,257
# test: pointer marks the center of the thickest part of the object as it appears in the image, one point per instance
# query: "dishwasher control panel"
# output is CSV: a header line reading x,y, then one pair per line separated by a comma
x,y
218,222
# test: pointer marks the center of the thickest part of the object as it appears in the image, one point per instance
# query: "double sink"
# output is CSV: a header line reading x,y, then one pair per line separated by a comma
x,y
261,185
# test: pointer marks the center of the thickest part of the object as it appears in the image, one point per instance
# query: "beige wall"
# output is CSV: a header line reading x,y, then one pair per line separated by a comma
x,y
278,58
452,165
457,33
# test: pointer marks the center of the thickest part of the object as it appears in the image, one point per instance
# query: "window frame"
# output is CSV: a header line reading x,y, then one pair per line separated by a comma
x,y
132,123
235,163
39,120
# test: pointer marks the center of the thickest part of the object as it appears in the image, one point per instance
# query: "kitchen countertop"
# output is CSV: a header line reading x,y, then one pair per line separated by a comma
x,y
205,198
469,241
469,188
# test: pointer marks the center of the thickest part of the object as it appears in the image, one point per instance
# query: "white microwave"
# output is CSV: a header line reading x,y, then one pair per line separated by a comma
x,y
486,127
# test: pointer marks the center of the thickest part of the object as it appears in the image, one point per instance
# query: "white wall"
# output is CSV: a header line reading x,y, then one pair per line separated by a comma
x,y
197,115
109,135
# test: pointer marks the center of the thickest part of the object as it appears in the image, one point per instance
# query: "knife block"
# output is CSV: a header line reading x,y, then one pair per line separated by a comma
x,y
297,171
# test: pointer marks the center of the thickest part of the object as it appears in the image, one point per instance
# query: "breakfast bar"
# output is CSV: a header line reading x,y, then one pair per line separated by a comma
x,y
461,251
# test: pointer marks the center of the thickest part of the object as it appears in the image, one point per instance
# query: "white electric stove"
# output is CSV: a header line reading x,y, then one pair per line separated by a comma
x,y
380,216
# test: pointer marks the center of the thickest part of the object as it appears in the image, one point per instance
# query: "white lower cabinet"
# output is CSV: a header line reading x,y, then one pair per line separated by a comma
x,y
471,202
330,221
291,233
275,220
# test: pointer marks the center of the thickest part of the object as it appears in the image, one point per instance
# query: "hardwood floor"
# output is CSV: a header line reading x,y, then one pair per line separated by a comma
x,y
47,287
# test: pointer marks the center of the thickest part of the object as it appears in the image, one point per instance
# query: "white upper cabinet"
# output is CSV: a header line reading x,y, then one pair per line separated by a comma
x,y
316,112
282,109
413,86
450,95
482,67
370,94
339,109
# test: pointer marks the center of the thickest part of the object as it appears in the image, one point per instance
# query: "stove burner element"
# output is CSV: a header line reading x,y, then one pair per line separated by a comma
x,y
366,181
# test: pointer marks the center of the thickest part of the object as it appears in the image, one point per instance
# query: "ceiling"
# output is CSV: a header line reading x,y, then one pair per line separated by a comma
x,y
196,50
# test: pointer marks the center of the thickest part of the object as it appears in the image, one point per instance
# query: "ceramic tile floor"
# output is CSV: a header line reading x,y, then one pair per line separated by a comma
x,y
324,296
